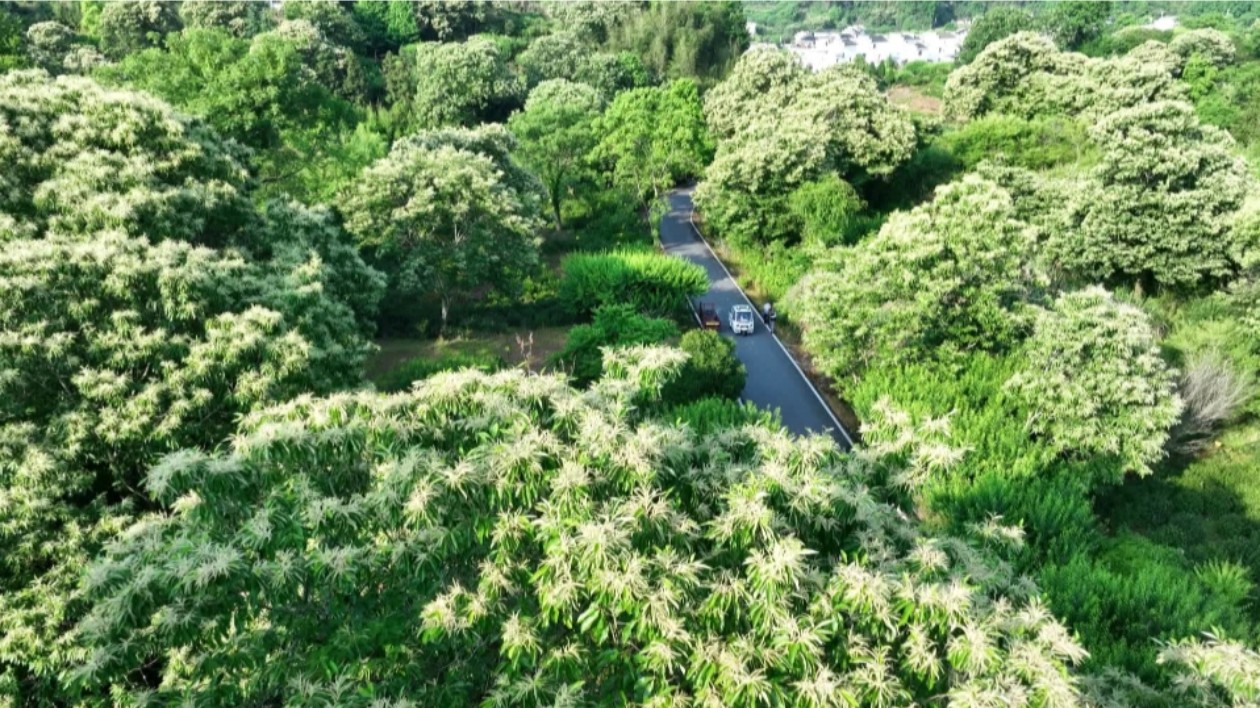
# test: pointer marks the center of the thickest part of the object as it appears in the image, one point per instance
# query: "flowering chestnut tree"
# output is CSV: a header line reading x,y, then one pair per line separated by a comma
x,y
507,539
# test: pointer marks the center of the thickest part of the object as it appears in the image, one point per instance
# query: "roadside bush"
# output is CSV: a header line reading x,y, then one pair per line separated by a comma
x,y
651,283
613,326
412,370
712,370
709,415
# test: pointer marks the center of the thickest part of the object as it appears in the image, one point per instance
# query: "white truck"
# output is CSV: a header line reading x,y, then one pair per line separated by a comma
x,y
742,319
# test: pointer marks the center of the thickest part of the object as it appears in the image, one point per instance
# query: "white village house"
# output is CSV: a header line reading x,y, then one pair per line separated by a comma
x,y
819,50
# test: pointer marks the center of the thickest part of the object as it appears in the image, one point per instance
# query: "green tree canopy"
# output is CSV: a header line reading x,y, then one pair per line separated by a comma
x,y
556,131
332,19
463,83
1094,382
561,55
444,219
128,27
779,126
651,138
996,23
284,93
55,48
1027,76
1075,22
505,538
239,18
683,40
1158,205
950,275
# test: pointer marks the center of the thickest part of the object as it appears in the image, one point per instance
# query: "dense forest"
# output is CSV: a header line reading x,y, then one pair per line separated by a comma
x,y
340,365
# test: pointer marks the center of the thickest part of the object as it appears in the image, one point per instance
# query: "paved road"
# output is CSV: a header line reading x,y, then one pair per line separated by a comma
x,y
774,381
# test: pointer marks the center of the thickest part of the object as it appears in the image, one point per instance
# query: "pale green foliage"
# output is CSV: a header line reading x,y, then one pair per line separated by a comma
x,y
1094,382
556,132
560,55
448,19
460,82
81,159
1026,75
505,539
241,18
1159,203
1213,45
862,130
593,19
1214,672
334,67
950,275
56,48
144,305
332,19
651,138
763,76
443,218
745,191
126,27
779,126
999,79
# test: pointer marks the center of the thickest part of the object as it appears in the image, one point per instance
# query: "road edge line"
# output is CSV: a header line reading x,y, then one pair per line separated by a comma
x,y
830,413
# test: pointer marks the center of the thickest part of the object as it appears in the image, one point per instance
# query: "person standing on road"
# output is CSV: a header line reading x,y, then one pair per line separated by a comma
x,y
765,313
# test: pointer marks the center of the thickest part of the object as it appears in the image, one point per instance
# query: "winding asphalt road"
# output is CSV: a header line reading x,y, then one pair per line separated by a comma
x,y
774,379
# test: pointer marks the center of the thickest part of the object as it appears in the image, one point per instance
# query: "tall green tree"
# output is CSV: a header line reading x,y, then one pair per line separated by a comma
x,y
284,93
240,18
463,83
443,221
1157,208
128,27
651,138
950,276
778,127
556,131
1075,22
996,23
700,41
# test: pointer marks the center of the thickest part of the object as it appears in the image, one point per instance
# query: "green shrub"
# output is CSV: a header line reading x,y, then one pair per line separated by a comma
x,y
928,77
613,325
1034,144
412,370
712,370
651,283
829,209
709,415
1135,592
